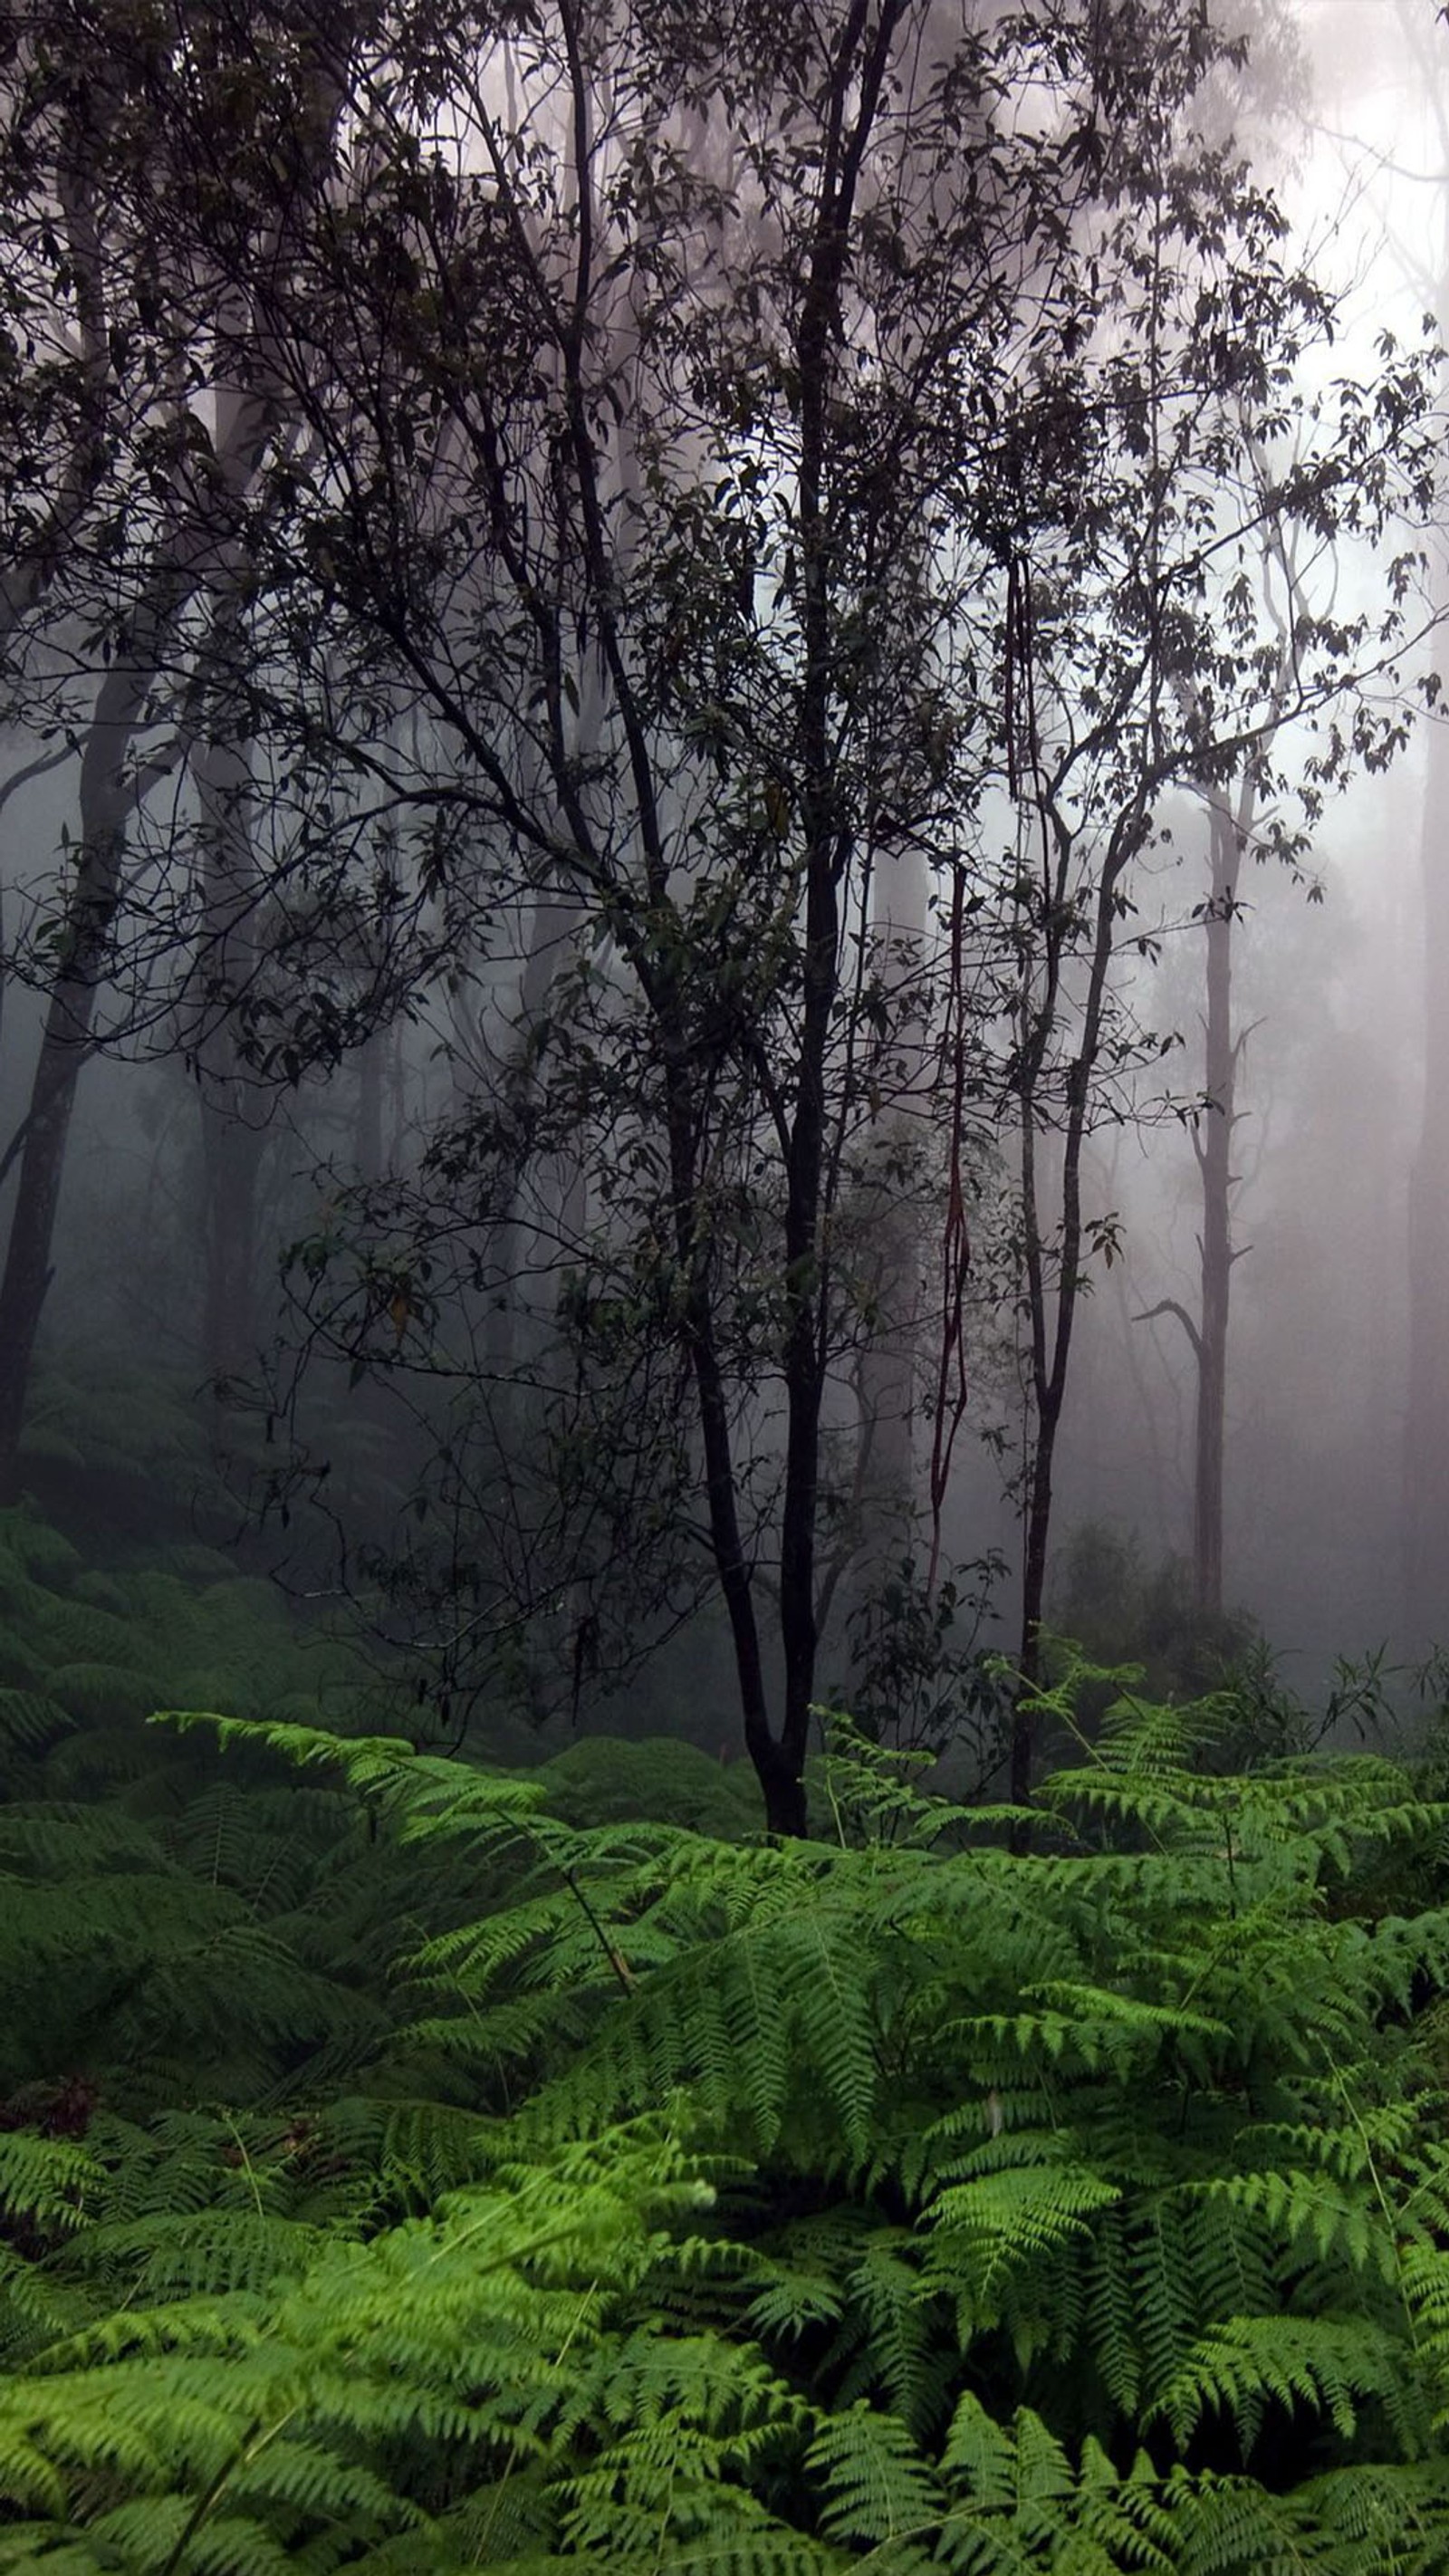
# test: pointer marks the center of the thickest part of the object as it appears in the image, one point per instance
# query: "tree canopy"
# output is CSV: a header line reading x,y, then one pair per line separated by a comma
x,y
716,539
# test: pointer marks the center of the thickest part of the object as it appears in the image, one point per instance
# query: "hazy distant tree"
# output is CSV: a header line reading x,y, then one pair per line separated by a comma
x,y
1189,683
129,459
1406,48
1426,1409
149,427
232,1111
1234,841
1212,1121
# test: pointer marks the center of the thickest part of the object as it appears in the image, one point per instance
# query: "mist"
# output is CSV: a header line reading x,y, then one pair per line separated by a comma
x,y
350,1244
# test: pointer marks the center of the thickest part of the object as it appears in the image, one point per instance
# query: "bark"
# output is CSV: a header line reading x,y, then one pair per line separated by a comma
x,y
860,67
232,1152
1212,1143
1426,1429
890,1227
106,800
1055,1286
232,1138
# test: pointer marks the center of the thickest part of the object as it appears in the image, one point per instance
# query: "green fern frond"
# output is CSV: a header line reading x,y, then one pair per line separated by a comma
x,y
1312,2211
1330,2366
30,1720
877,2486
984,2233
46,2180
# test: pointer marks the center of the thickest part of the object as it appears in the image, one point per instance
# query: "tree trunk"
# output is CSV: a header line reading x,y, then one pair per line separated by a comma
x,y
1033,1603
1212,1145
109,796
105,802
231,1152
827,834
1426,1427
1037,1516
232,1138
889,1224
1052,1311
367,1145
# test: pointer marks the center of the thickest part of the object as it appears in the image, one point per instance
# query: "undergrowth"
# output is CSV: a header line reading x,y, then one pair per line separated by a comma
x,y
404,2170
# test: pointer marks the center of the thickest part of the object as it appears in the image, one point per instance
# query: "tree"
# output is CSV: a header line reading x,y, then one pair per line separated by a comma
x,y
1426,1410
1231,809
121,621
1189,680
704,473
1211,1130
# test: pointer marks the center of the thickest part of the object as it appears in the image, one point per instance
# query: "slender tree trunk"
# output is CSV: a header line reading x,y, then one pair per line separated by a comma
x,y
231,1164
1037,1517
860,67
1426,1428
890,1226
106,801
232,1137
27,1265
1212,1144
1424,1553
1052,1311
367,1145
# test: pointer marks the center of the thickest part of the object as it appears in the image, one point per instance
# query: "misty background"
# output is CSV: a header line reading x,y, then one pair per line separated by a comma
x,y
194,1377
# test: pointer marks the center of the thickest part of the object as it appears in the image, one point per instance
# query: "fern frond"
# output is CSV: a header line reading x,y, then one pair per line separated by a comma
x,y
1328,2365
46,2180
877,2486
983,2233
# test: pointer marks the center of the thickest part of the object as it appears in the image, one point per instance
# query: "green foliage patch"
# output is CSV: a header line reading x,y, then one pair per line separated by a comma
x,y
456,2182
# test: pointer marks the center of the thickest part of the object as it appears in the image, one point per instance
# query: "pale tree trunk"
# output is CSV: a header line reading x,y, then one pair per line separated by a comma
x,y
1054,1258
368,1151
1425,1550
1212,1144
1426,1427
889,1222
232,1125
515,1245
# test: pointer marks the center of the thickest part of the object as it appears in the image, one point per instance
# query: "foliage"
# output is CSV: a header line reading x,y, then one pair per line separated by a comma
x,y
735,529
897,2201
161,1934
1118,1611
921,1680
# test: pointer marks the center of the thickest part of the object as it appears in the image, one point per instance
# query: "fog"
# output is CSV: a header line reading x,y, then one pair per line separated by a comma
x,y
361,1271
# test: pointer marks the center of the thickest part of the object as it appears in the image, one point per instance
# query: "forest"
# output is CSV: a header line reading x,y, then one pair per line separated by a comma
x,y
724,1287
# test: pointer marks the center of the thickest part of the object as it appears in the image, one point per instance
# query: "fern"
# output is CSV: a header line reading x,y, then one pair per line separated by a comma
x,y
464,2184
